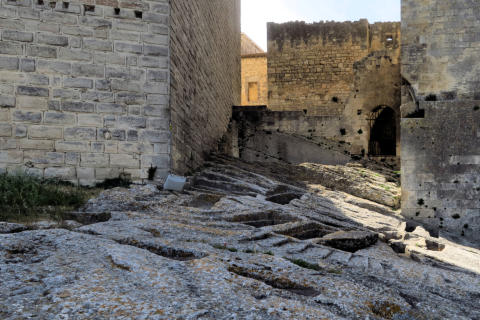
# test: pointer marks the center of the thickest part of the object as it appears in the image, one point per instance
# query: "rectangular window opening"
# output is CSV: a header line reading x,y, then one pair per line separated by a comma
x,y
253,91
89,8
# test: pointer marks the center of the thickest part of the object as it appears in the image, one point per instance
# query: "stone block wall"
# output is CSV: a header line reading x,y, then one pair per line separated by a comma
x,y
259,134
441,136
440,48
205,75
95,89
441,167
84,88
311,66
343,71
377,82
254,71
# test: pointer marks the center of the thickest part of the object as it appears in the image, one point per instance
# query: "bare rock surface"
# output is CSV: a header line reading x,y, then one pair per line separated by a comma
x,y
222,250
6,227
350,241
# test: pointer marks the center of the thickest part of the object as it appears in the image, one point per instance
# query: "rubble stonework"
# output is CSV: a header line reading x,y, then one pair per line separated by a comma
x,y
311,66
85,86
338,77
440,115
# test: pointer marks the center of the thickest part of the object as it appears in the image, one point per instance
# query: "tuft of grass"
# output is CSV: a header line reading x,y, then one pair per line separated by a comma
x,y
386,188
335,271
270,253
26,198
304,264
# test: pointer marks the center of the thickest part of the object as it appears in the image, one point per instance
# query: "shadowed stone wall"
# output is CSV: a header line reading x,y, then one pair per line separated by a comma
x,y
205,67
83,88
377,83
259,134
441,136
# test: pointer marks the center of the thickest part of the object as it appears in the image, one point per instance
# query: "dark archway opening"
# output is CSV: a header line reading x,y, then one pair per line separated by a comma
x,y
383,132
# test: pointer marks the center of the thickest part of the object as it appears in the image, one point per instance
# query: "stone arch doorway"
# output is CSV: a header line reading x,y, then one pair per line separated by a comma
x,y
383,132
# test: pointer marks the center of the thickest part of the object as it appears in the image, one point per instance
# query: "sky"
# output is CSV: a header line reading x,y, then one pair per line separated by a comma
x,y
256,13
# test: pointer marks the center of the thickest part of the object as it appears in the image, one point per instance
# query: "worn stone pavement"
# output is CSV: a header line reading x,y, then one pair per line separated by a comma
x,y
242,242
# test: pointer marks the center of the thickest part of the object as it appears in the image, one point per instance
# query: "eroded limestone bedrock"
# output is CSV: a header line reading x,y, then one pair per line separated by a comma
x,y
220,250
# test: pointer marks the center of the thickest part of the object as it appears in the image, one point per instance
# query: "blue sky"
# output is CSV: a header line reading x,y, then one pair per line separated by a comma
x,y
256,13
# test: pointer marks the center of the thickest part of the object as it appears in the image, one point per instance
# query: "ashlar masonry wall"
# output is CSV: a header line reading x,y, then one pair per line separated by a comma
x,y
205,73
84,88
254,72
441,115
440,48
311,66
339,74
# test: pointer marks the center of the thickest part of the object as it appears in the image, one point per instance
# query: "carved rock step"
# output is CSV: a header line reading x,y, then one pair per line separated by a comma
x,y
304,230
89,217
350,241
224,187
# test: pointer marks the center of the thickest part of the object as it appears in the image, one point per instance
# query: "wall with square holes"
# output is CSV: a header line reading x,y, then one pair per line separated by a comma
x,y
440,48
343,71
441,115
311,66
84,88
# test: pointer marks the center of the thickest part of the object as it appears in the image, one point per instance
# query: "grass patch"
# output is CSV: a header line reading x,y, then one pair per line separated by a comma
x,y
304,264
386,188
25,198
335,271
